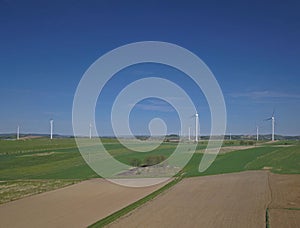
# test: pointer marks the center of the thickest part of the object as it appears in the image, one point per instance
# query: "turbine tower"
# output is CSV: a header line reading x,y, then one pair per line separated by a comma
x,y
90,130
256,133
273,125
18,132
189,133
51,129
196,126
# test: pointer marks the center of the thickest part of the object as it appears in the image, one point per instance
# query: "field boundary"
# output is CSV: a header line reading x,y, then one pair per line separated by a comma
x,y
267,218
111,218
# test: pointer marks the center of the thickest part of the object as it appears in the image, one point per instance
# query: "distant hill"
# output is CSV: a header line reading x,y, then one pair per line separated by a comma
x,y
11,136
172,137
263,137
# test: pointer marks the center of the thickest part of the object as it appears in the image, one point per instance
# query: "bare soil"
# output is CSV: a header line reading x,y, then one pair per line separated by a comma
x,y
284,218
284,209
227,149
226,200
30,137
78,205
229,200
40,154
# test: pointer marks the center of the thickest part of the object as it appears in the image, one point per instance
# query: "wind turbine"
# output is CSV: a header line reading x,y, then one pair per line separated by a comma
x,y
90,130
51,129
196,126
256,133
273,125
18,132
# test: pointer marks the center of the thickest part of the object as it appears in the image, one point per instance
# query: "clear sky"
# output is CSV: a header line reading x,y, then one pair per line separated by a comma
x,y
252,47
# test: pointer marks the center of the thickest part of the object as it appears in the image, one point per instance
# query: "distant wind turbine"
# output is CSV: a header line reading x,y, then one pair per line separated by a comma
x,y
18,132
273,125
196,126
90,130
51,129
256,133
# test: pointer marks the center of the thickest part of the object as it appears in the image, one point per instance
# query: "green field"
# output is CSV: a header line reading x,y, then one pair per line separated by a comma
x,y
277,159
59,159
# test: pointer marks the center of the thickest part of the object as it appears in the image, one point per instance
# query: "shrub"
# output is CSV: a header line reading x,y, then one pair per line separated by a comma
x,y
154,159
251,143
135,162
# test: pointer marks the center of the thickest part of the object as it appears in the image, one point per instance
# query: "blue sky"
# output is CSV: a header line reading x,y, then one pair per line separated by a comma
x,y
252,47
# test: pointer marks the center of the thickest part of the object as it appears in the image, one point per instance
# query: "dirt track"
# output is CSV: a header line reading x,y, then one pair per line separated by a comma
x,y
78,205
229,200
227,149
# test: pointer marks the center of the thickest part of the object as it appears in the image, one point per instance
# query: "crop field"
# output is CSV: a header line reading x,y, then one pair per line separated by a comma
x,y
60,158
228,200
77,205
284,209
32,166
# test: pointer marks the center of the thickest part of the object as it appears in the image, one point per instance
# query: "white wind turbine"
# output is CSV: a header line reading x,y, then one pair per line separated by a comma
x,y
90,130
273,125
51,129
196,126
18,132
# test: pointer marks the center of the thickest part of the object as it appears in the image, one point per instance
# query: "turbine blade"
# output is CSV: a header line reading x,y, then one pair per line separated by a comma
x,y
268,119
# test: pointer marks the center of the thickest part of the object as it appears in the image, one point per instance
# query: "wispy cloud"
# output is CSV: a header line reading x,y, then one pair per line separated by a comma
x,y
154,105
265,94
52,114
154,108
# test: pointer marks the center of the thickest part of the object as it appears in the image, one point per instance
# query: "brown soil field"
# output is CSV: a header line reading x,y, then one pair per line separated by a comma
x,y
78,205
227,149
284,209
30,137
284,218
227,200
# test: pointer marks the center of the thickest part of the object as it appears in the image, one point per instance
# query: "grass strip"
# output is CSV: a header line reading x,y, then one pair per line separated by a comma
x,y
267,218
292,209
131,207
